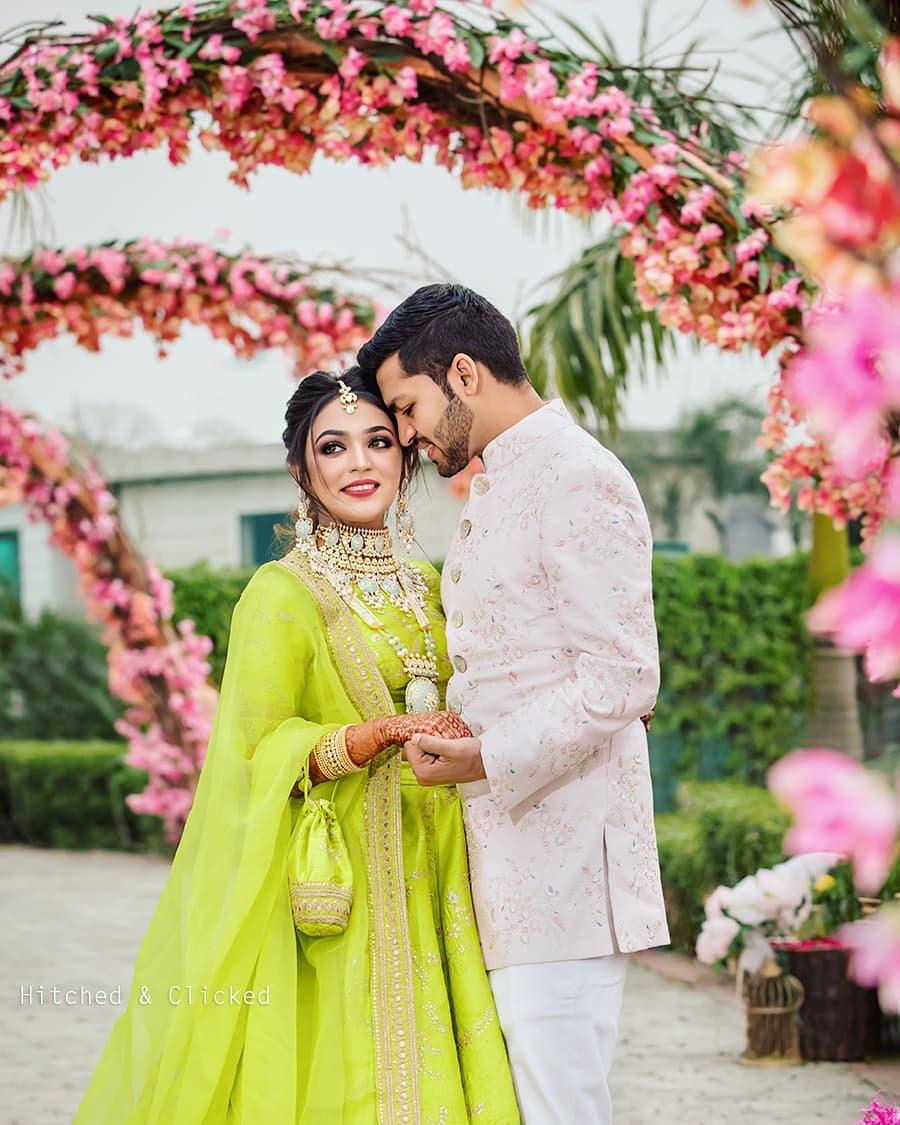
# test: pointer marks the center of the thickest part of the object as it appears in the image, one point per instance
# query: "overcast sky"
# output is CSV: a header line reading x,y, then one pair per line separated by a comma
x,y
345,213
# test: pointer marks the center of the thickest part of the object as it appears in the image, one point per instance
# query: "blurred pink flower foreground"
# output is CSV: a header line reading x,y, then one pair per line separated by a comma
x,y
838,806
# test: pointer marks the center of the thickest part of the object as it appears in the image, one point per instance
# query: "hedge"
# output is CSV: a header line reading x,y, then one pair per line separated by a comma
x,y
734,654
208,597
72,795
721,832
733,648
53,678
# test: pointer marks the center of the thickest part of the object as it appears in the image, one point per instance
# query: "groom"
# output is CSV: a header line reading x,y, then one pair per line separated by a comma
x,y
548,598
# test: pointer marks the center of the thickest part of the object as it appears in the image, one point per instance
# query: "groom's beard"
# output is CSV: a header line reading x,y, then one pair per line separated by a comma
x,y
451,438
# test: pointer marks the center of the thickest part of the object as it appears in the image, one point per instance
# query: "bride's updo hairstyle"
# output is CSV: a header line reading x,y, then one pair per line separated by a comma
x,y
313,394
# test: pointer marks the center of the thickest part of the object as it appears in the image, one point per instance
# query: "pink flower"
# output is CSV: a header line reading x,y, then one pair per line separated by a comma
x,y
407,82
840,807
879,1113
352,64
397,21
849,374
875,957
863,614
64,286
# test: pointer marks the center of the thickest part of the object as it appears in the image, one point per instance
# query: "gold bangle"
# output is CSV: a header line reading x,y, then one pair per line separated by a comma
x,y
332,757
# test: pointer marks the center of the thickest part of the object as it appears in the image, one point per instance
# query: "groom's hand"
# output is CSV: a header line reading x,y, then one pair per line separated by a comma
x,y
444,761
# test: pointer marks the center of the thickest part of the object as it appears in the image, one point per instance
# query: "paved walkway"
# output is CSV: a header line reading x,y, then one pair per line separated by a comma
x,y
74,919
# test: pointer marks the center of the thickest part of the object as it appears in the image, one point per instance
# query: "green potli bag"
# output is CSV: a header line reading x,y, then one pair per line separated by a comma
x,y
320,877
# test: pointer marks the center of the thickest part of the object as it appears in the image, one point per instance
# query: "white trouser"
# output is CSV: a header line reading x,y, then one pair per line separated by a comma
x,y
560,1021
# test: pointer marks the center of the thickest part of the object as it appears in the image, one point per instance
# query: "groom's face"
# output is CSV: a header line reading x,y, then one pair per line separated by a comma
x,y
440,425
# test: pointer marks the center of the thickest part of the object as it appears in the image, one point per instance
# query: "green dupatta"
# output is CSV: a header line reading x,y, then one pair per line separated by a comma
x,y
223,922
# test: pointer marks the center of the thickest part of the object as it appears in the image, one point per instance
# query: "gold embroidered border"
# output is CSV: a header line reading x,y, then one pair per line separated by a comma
x,y
325,903
393,1005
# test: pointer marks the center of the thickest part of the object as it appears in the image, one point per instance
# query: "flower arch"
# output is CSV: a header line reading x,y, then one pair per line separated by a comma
x,y
156,667
276,82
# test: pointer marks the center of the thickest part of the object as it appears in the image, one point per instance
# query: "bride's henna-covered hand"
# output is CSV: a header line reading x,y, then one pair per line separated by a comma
x,y
365,741
441,724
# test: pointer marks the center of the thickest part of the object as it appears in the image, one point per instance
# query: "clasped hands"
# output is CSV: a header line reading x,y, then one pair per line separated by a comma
x,y
441,748
443,751
438,745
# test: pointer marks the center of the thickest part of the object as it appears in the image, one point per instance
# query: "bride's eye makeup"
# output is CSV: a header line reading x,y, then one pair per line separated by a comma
x,y
382,441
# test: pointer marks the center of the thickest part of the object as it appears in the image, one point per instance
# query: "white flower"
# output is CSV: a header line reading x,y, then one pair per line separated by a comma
x,y
755,953
714,939
720,898
748,903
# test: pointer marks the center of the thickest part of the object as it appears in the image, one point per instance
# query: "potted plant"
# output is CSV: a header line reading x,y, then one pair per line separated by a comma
x,y
778,927
839,1020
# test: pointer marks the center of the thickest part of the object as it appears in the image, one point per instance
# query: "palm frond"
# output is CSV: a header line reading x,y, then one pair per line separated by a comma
x,y
591,335
835,40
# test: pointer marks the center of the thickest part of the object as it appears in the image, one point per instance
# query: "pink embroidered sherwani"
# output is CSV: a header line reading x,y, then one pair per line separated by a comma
x,y
548,598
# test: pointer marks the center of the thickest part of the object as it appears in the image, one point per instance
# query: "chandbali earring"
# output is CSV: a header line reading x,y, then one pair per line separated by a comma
x,y
304,525
406,525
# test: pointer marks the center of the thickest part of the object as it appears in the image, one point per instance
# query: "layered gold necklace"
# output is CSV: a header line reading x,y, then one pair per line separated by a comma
x,y
363,570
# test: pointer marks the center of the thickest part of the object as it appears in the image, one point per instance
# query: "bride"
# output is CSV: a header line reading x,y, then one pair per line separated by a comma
x,y
336,656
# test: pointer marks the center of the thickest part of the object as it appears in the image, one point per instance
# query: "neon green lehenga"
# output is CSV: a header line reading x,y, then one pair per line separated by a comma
x,y
234,1018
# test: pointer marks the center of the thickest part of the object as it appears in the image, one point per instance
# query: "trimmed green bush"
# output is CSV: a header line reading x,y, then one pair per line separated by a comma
x,y
680,849
734,654
53,678
733,648
721,832
72,795
208,597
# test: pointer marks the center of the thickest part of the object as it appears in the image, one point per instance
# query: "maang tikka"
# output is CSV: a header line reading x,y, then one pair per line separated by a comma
x,y
348,397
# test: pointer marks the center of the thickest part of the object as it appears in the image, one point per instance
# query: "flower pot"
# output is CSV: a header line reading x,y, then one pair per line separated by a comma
x,y
839,1021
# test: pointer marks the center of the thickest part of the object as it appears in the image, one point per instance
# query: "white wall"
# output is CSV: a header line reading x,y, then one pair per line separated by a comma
x,y
177,523
48,578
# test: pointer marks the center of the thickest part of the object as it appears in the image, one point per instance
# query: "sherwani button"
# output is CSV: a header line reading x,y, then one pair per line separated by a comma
x,y
456,619
455,572
481,485
455,706
459,663
464,528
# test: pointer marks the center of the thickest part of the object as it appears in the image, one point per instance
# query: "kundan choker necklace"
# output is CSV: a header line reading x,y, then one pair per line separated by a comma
x,y
362,568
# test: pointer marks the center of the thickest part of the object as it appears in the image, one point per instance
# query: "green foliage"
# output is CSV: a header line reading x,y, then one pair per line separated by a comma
x,y
836,42
734,654
53,678
733,647
678,839
592,335
72,795
834,904
721,832
208,598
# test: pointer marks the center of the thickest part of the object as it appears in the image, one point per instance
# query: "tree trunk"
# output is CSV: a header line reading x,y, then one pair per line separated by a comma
x,y
834,716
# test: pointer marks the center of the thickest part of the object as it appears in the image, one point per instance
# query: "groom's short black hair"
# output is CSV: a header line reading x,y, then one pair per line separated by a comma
x,y
436,323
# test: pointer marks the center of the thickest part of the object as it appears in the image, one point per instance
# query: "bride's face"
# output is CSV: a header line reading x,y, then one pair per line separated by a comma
x,y
355,464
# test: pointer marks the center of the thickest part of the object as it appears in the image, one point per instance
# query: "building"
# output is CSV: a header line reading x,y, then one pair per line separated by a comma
x,y
183,506
220,504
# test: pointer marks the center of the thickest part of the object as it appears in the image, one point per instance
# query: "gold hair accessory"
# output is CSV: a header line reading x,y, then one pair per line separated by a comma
x,y
349,398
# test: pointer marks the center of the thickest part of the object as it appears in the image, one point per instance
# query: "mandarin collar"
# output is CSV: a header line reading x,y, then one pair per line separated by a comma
x,y
512,443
